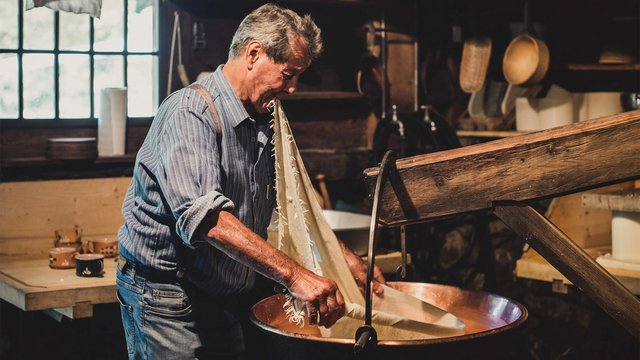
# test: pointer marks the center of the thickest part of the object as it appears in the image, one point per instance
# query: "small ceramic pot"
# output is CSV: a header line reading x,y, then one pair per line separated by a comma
x,y
106,246
62,257
89,265
69,237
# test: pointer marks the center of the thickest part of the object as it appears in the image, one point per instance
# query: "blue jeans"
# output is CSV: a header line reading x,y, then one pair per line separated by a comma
x,y
171,320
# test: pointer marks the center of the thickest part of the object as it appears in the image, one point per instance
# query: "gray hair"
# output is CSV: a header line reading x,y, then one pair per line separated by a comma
x,y
276,29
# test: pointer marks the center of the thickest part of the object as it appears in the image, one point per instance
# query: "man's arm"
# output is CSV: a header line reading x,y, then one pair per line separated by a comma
x,y
319,294
359,270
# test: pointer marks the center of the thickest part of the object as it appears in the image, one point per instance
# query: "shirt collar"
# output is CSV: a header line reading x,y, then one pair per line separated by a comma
x,y
237,112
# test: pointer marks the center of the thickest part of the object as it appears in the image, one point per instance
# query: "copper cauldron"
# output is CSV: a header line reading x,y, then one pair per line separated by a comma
x,y
490,323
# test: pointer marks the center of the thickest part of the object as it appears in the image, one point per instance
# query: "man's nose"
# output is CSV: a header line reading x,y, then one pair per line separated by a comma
x,y
291,86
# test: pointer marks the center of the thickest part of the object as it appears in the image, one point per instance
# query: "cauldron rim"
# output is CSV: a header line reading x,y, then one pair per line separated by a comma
x,y
439,340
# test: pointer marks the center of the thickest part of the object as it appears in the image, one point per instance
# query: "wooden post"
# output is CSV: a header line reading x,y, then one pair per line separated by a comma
x,y
573,262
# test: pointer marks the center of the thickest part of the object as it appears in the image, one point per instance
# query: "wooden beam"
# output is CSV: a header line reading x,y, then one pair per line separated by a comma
x,y
623,200
537,165
80,310
573,262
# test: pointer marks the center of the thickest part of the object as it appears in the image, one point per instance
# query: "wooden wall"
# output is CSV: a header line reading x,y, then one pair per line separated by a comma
x,y
30,212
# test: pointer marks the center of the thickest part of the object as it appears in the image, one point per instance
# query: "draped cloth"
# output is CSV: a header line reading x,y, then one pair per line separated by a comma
x,y
305,235
91,7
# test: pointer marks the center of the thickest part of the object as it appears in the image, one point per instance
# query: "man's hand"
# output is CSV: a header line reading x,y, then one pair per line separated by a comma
x,y
320,295
359,271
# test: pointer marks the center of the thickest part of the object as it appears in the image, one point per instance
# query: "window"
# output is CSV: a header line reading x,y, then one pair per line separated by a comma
x,y
54,64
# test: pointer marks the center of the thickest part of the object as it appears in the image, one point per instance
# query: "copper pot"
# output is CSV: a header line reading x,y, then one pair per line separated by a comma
x,y
490,320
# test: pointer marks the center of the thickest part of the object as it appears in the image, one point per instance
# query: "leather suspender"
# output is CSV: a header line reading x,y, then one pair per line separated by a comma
x,y
186,252
212,109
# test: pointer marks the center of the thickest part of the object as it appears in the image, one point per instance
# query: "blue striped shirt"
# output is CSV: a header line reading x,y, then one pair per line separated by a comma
x,y
179,178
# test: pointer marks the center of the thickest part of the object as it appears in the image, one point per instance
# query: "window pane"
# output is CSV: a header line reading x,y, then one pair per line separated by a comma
x,y
38,86
142,99
38,29
9,28
109,29
109,72
142,26
9,86
74,31
74,86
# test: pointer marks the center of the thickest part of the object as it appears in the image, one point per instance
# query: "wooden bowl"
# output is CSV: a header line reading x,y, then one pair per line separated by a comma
x,y
72,148
525,61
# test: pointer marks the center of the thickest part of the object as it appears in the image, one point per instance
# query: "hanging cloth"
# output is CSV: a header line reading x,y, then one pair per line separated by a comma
x,y
305,235
91,7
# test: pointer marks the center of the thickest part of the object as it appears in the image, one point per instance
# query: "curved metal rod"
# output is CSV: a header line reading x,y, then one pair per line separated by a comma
x,y
366,333
388,163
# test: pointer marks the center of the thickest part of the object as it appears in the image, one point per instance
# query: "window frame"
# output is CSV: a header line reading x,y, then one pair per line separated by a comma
x,y
92,120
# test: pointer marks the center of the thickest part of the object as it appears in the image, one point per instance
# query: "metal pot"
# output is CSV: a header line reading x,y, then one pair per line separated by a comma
x,y
490,320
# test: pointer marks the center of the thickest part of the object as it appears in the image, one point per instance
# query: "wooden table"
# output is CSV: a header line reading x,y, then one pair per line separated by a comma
x,y
30,284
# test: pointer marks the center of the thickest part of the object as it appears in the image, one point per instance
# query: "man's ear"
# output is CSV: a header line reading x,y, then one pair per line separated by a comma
x,y
253,51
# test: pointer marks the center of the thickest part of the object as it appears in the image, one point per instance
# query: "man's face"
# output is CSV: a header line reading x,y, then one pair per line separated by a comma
x,y
269,79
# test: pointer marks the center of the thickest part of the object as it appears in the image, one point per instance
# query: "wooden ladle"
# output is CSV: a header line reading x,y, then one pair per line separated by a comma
x,y
526,60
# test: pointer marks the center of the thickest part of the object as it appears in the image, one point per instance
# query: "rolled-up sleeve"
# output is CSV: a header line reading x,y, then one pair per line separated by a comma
x,y
189,221
191,172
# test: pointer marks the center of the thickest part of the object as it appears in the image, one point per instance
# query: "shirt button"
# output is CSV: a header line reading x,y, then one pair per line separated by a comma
x,y
253,139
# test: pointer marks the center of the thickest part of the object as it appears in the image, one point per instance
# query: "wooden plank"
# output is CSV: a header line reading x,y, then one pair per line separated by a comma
x,y
81,310
538,165
488,134
343,134
624,200
336,164
573,262
34,210
533,266
586,227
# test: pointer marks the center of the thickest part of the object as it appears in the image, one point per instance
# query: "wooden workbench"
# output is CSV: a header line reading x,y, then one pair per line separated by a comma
x,y
30,212
30,284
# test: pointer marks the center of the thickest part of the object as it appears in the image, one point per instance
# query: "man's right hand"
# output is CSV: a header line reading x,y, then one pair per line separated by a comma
x,y
320,295
324,303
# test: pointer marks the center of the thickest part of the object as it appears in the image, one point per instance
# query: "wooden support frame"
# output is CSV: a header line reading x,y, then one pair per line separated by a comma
x,y
502,174
573,262
538,165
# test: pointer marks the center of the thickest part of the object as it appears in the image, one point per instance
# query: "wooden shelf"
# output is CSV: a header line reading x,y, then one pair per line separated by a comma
x,y
323,95
488,134
41,160
533,266
597,67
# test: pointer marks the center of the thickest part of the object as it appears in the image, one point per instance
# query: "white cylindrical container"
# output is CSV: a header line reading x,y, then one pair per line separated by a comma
x,y
526,115
625,236
603,104
112,123
554,112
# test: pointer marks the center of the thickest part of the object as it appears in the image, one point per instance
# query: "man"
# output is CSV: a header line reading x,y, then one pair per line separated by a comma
x,y
201,198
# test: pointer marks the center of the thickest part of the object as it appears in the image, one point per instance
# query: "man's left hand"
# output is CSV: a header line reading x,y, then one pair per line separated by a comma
x,y
359,271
